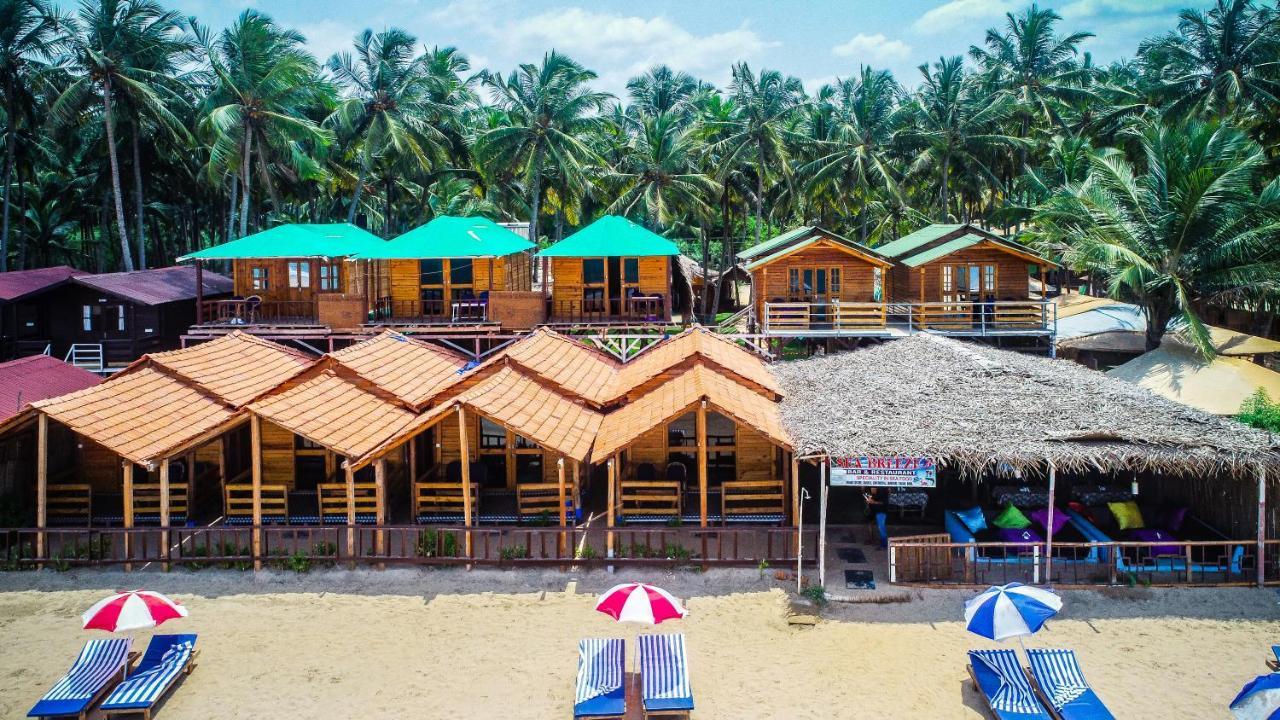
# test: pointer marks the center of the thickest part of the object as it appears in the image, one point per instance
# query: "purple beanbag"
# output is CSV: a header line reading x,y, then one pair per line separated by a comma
x,y
1041,518
1153,535
1024,536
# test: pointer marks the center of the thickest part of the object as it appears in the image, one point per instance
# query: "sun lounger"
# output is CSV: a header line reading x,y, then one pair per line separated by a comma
x,y
999,678
101,664
167,657
600,692
1063,688
664,677
1274,664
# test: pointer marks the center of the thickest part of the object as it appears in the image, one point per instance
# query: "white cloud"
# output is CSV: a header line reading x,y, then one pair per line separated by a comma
x,y
1091,8
874,48
327,37
957,14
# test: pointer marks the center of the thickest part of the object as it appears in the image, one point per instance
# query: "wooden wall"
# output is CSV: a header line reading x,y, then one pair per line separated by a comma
x,y
567,284
756,457
771,283
450,449
277,455
1012,275
509,273
278,278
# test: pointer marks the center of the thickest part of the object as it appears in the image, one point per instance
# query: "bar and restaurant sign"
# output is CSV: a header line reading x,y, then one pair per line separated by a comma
x,y
893,472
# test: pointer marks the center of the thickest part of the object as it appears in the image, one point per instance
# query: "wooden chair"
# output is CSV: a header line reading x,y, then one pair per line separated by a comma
x,y
640,498
442,500
332,500
146,502
534,499
69,504
238,503
752,497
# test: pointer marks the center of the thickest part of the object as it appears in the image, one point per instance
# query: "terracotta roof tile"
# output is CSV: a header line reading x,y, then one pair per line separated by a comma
x,y
412,370
565,362
696,342
236,367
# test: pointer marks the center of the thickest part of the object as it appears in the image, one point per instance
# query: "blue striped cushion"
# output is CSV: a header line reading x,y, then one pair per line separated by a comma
x,y
664,673
97,664
1013,693
145,686
599,683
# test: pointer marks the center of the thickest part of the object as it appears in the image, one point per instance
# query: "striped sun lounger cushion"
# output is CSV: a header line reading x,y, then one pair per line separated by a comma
x,y
166,658
664,673
1012,693
98,663
1062,681
600,674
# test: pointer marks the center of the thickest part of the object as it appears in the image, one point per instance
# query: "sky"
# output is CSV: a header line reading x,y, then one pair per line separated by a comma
x,y
814,40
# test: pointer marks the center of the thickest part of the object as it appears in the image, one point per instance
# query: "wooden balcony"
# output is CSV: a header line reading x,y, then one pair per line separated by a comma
x,y
852,319
634,309
256,311
467,311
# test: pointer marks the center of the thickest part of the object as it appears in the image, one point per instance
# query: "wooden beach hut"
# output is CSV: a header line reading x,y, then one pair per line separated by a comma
x,y
812,278
296,274
458,270
611,270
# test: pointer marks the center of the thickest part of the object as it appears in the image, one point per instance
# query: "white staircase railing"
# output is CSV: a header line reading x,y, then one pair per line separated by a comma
x,y
87,356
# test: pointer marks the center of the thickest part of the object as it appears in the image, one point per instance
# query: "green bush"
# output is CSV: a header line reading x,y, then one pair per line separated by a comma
x,y
1260,411
432,543
514,552
14,556
586,553
816,594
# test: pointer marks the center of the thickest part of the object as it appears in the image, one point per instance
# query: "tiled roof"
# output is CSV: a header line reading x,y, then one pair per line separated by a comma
x,y
20,283
412,370
142,415
38,377
694,343
565,362
335,412
236,367
157,286
670,399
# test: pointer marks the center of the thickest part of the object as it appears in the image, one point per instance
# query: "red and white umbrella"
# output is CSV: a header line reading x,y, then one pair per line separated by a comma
x,y
132,610
637,602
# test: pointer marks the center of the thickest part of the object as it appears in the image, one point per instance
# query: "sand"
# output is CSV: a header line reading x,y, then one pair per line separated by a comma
x,y
424,644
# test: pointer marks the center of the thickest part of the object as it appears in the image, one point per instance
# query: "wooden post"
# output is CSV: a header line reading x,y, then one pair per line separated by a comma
x,y
1044,289
795,490
575,485
560,485
199,292
822,523
490,274
1048,543
613,479
702,463
255,450
222,467
42,481
413,461
466,477
380,499
351,516
126,472
1262,526
670,296
164,513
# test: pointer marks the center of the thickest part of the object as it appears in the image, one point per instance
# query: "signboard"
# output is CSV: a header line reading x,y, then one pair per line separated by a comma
x,y
892,472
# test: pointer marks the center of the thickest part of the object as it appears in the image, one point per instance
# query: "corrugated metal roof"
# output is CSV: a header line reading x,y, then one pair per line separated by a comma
x,y
236,367
26,380
412,370
141,416
20,283
451,237
946,248
776,242
919,238
819,236
158,285
612,236
330,240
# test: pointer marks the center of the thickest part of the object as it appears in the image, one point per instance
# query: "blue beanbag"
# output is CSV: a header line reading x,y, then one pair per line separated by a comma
x,y
973,519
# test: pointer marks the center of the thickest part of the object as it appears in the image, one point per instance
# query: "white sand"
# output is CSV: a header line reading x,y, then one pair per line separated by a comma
x,y
429,645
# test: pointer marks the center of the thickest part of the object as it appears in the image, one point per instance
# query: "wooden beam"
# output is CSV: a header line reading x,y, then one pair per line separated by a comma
x,y
126,472
413,461
670,295
1048,543
380,499
255,452
164,513
42,481
466,476
613,481
1262,526
702,463
351,516
560,484
795,490
199,292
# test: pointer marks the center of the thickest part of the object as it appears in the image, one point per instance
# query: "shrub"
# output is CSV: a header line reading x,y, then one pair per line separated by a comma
x,y
1260,411
816,594
432,543
514,552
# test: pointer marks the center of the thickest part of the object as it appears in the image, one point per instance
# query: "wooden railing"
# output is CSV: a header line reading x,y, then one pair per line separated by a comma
x,y
978,318
643,309
467,311
936,560
254,311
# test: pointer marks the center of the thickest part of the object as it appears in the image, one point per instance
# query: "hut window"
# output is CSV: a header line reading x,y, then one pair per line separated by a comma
x,y
835,281
301,443
593,271
989,278
120,318
431,271
793,281
87,318
631,271
300,274
877,284
329,274
258,278
492,435
460,271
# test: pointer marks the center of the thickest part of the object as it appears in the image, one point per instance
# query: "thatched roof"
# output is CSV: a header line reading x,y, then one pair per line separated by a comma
x,y
974,407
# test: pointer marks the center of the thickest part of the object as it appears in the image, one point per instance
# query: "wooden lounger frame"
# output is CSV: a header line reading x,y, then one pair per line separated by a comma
x,y
238,501
752,497
332,499
646,497
443,498
70,500
146,712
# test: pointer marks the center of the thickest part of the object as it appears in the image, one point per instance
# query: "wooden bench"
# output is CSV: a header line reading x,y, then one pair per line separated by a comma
x,y
238,503
539,498
69,504
443,499
146,502
752,497
332,499
649,497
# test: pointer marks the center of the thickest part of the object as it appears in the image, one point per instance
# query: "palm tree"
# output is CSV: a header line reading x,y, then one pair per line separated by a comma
x,y
112,48
391,115
663,90
27,34
266,81
1218,61
762,105
547,109
1190,223
657,179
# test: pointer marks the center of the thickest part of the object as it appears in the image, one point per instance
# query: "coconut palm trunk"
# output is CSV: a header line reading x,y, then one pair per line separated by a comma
x,y
245,181
9,152
125,255
355,197
535,195
137,199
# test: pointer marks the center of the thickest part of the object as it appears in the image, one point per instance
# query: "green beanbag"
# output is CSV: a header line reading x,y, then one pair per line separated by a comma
x,y
1011,519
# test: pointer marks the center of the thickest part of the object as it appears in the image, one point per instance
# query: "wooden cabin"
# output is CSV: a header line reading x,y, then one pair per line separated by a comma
x,y
457,270
125,314
610,271
812,278
296,274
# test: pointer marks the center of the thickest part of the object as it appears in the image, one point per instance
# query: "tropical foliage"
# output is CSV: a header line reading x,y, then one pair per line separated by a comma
x,y
132,135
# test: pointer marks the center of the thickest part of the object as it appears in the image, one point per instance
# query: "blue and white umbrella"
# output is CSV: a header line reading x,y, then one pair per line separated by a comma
x,y
1259,700
1011,610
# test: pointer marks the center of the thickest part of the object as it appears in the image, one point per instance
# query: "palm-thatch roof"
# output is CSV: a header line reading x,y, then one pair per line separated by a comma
x,y
974,408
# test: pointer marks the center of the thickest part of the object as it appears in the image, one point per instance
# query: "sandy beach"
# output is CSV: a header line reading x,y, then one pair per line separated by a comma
x,y
433,644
